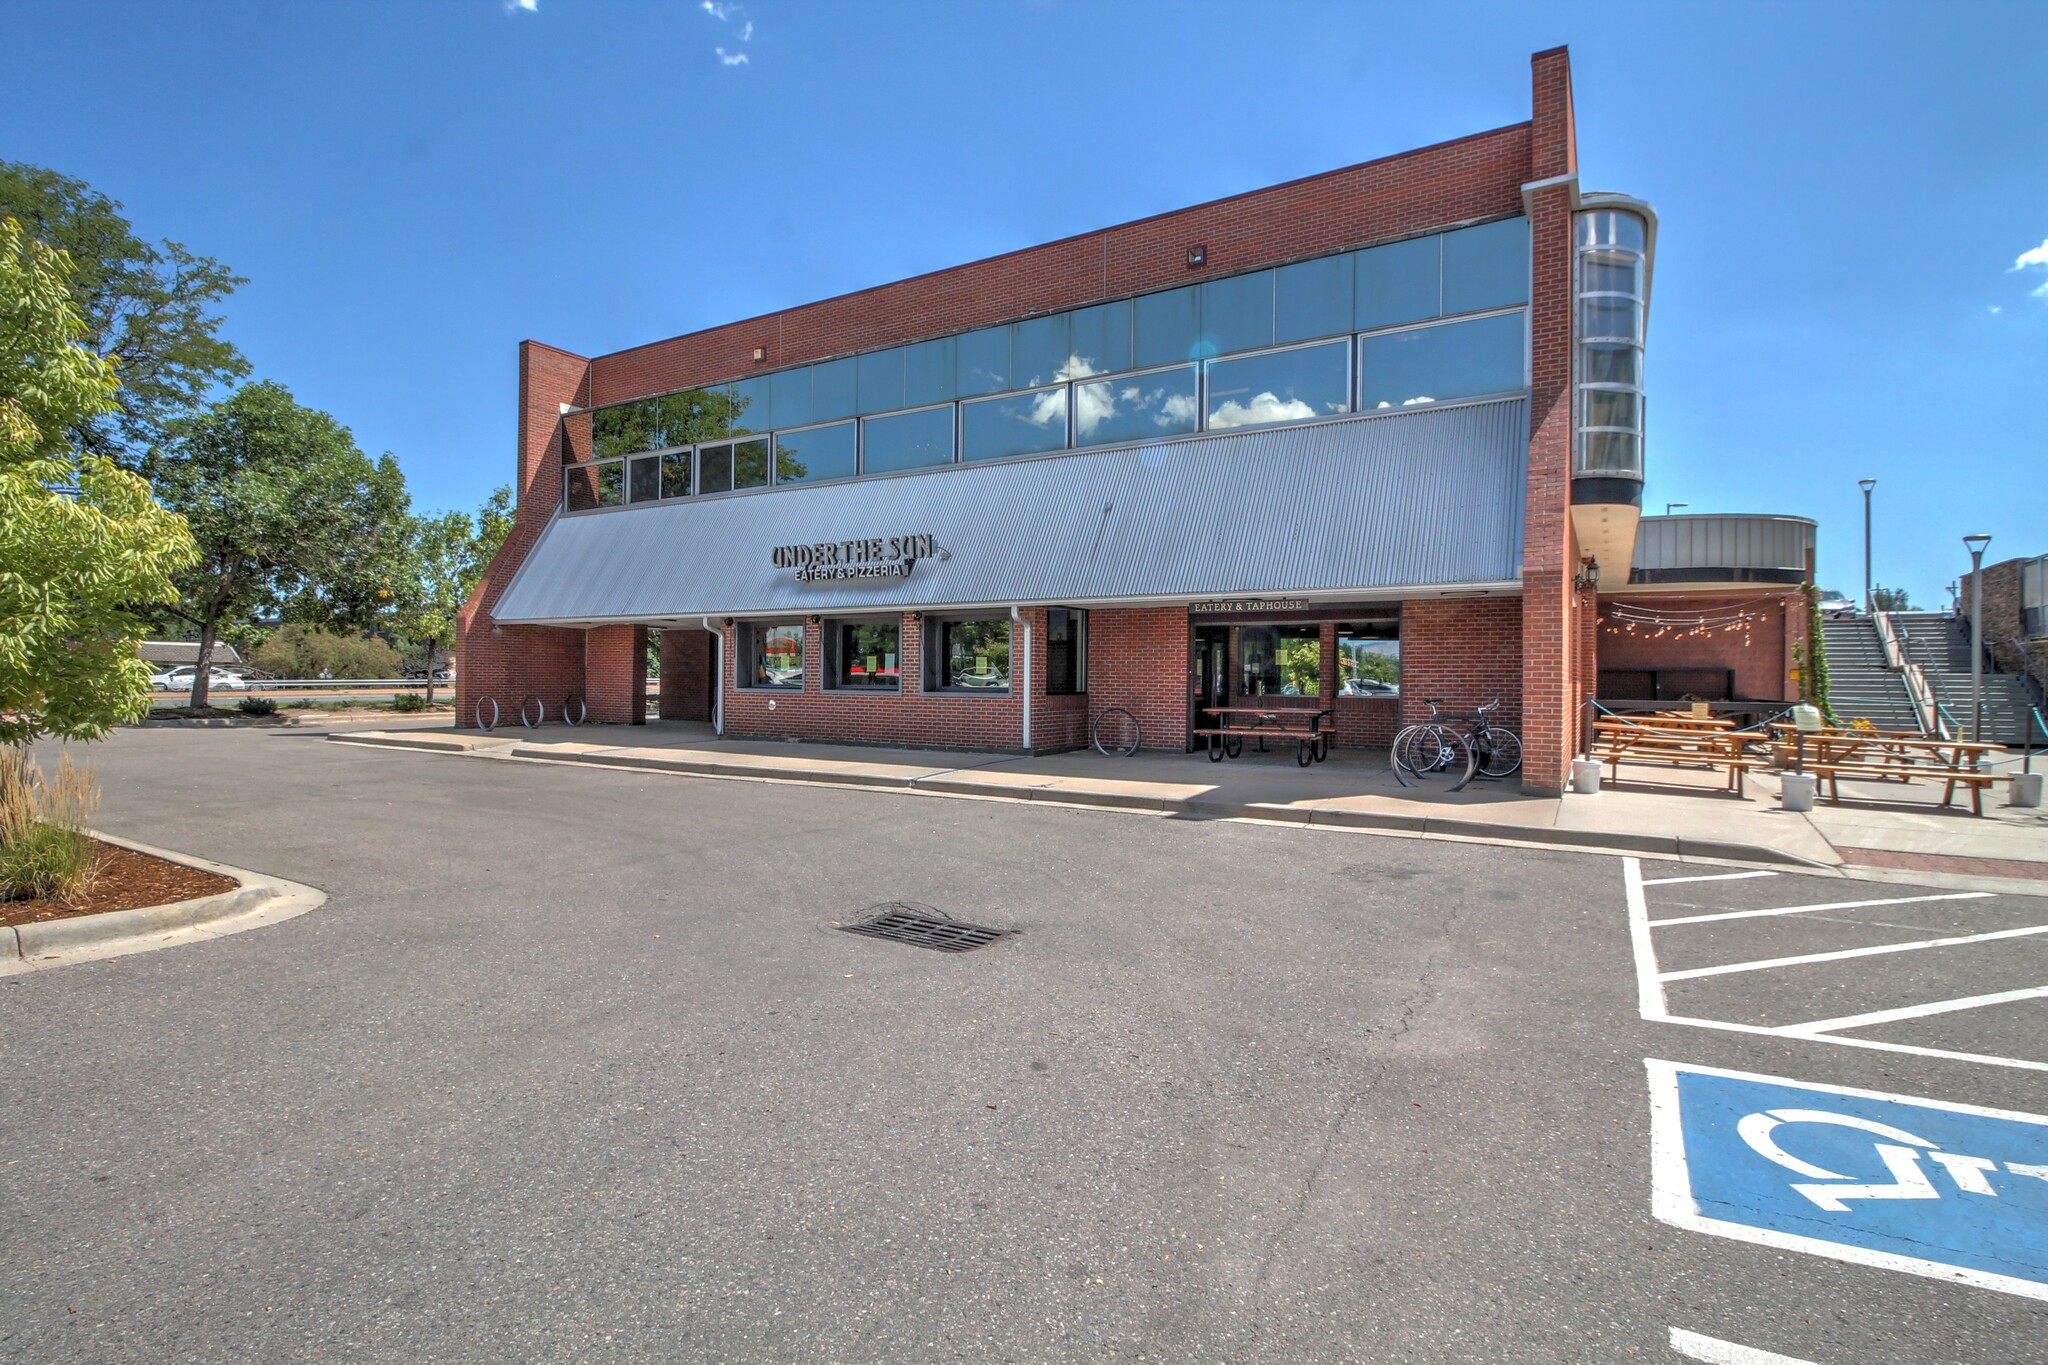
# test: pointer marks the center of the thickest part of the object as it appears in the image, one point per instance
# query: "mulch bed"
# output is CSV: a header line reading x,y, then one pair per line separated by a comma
x,y
127,881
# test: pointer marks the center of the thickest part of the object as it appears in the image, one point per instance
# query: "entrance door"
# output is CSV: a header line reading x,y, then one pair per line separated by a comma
x,y
1212,677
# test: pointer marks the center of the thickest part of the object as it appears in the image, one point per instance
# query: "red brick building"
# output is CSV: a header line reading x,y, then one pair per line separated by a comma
x,y
1350,442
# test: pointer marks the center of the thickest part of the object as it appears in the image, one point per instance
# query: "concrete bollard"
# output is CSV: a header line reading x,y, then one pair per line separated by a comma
x,y
1798,790
1586,776
2026,790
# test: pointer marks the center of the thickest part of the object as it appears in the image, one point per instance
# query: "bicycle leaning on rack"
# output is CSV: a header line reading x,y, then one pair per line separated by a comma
x,y
1456,748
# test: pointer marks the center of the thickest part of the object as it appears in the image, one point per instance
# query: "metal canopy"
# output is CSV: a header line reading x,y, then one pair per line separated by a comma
x,y
1427,499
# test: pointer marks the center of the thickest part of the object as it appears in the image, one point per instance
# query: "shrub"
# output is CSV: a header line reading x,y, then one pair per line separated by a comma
x,y
44,850
300,651
259,706
409,701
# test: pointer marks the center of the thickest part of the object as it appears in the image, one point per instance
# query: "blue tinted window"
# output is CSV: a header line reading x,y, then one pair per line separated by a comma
x,y
1038,350
792,397
1398,283
1134,408
750,463
909,440
1280,386
1101,339
982,361
928,372
694,415
819,453
881,380
1021,424
1237,313
1312,299
832,390
1169,327
1486,266
1431,364
753,405
714,469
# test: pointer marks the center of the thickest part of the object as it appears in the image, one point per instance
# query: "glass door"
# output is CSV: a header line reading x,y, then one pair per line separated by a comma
x,y
1212,676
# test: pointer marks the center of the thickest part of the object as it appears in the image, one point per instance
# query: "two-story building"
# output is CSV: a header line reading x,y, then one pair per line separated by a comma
x,y
1353,441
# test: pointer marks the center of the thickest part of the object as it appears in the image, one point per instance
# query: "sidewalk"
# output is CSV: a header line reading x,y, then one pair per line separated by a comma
x,y
1881,831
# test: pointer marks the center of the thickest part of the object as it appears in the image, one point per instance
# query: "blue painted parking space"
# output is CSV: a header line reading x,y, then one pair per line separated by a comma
x,y
1949,1191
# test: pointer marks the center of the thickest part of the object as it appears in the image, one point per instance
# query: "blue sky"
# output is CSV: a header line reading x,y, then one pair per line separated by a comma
x,y
412,188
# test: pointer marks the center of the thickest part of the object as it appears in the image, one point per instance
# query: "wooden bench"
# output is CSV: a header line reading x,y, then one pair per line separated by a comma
x,y
1615,740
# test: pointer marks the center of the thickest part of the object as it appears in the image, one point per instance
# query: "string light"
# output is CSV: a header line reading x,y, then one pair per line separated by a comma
x,y
1657,623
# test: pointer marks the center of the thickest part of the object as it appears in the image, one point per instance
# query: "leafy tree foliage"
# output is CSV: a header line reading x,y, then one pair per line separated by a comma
x,y
446,557
1890,599
82,545
287,512
295,650
149,311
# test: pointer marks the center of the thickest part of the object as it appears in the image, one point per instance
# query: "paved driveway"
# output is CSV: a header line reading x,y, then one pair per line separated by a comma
x,y
573,1065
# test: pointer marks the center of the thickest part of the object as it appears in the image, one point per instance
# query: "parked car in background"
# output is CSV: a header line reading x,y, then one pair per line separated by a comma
x,y
179,679
1834,606
442,674
1368,687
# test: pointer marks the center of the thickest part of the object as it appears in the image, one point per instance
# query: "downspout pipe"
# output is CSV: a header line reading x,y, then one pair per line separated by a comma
x,y
1023,672
717,677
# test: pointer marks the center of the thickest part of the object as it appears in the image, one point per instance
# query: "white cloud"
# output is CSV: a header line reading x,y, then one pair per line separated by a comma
x,y
731,58
1177,411
747,32
1261,411
528,5
726,12
718,11
2038,256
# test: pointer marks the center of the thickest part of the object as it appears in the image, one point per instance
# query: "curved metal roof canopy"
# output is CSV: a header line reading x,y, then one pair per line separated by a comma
x,y
1426,499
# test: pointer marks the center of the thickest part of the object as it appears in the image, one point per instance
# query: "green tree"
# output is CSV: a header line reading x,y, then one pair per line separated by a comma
x,y
445,559
82,545
296,650
285,509
148,310
1890,599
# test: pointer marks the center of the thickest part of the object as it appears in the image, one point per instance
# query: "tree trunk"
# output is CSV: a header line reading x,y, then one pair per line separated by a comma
x,y
202,667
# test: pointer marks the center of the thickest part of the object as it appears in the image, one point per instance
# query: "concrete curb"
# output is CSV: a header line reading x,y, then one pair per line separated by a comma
x,y
957,784
260,900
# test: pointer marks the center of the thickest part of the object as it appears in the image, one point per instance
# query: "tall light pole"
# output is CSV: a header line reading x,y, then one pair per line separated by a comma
x,y
1669,505
1869,599
1976,546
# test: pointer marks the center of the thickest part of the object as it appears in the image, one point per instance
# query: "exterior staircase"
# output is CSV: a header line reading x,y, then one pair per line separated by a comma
x,y
1860,685
1941,646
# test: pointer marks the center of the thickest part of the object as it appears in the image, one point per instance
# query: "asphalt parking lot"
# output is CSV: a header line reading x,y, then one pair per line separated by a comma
x,y
576,1065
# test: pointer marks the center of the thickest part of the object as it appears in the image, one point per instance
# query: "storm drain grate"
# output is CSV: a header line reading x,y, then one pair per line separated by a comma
x,y
923,927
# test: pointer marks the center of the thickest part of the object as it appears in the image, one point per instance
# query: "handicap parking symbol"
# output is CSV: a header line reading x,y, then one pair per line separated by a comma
x,y
1949,1191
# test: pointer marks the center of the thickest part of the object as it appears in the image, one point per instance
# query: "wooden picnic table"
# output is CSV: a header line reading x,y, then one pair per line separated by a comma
x,y
1308,727
1890,755
1650,740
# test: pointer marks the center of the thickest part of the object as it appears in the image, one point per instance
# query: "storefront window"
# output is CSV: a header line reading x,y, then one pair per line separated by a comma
x,y
868,654
908,440
1284,661
776,656
1066,651
969,656
1433,364
1019,424
1139,407
1369,660
643,479
1280,386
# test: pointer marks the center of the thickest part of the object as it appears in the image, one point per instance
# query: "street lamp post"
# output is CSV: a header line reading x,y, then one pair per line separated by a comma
x,y
1869,599
1669,505
1976,545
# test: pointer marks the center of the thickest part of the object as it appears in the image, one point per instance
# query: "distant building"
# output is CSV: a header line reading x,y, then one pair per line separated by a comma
x,y
171,653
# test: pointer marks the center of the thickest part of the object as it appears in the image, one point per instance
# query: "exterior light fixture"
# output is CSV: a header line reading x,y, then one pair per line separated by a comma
x,y
1588,579
1196,255
760,353
1869,601
1669,505
1976,545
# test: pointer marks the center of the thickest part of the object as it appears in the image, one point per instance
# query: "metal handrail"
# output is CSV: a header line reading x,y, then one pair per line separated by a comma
x,y
1946,719
1888,638
1922,696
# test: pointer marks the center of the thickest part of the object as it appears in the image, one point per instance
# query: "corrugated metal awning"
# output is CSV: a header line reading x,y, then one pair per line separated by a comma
x,y
1427,499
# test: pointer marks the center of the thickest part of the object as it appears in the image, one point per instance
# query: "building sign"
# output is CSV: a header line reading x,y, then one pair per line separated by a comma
x,y
831,561
1236,606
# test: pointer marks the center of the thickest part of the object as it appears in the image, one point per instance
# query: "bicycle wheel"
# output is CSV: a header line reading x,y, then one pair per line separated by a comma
x,y
1500,753
1424,749
1115,733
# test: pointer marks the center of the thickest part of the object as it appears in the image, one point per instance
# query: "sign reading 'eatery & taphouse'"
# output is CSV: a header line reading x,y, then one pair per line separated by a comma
x,y
834,560
1241,604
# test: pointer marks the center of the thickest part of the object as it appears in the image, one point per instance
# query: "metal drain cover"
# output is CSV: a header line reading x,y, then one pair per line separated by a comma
x,y
923,927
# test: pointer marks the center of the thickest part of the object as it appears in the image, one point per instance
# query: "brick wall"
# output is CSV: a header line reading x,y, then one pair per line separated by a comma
x,y
2003,619
615,674
1465,652
1758,653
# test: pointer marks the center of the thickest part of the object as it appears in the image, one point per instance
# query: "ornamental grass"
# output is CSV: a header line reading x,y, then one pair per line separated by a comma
x,y
45,853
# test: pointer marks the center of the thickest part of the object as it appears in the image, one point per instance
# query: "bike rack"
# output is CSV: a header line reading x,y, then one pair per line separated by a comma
x,y
540,709
477,714
574,709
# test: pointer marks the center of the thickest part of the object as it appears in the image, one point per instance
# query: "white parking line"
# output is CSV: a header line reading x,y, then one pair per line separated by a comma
x,y
1715,1351
1971,1002
1717,877
1813,909
1693,973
